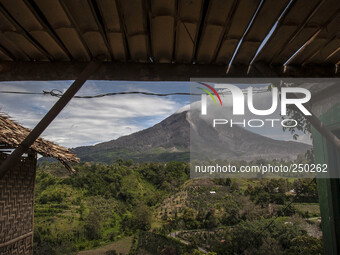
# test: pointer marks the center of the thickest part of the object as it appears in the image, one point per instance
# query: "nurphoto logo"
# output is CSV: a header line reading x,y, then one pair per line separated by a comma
x,y
238,104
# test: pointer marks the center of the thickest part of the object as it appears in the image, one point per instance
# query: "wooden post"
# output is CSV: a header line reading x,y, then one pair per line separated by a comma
x,y
48,118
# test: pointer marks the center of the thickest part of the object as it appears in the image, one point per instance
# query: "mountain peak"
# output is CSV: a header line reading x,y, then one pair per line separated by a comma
x,y
170,140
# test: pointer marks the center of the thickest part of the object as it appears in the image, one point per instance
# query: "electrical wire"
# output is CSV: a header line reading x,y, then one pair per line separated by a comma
x,y
285,208
59,93
21,92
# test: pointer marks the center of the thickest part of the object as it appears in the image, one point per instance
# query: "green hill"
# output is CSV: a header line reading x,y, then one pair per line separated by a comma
x,y
104,203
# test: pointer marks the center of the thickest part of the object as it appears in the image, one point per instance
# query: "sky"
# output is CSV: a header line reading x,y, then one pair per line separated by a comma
x,y
91,121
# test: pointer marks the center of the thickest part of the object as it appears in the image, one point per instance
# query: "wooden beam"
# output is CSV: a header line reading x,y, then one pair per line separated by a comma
x,y
24,146
44,71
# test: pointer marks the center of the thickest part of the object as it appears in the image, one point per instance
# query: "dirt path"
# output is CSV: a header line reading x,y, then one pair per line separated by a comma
x,y
174,235
122,246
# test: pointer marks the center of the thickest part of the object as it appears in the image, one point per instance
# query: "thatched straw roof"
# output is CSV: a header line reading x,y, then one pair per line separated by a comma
x,y
12,134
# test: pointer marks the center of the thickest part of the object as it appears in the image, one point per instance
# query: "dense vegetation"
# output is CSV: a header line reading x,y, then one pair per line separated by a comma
x,y
158,154
103,203
100,203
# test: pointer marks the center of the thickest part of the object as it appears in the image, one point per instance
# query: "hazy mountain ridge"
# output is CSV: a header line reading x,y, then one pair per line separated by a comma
x,y
170,140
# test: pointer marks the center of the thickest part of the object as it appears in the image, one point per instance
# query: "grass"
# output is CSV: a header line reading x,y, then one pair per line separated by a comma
x,y
312,208
243,183
122,246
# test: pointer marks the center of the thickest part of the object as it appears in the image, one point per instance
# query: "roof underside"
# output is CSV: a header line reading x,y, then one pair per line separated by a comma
x,y
218,32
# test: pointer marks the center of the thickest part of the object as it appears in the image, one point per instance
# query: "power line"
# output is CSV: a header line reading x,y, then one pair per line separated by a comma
x,y
21,92
141,93
285,208
59,93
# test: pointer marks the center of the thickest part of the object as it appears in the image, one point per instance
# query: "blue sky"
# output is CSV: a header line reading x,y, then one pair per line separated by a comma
x,y
90,121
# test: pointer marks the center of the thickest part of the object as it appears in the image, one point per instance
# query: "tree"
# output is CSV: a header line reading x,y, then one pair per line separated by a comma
x,y
93,225
303,124
210,220
289,210
142,217
232,213
120,161
263,198
307,189
189,218
305,245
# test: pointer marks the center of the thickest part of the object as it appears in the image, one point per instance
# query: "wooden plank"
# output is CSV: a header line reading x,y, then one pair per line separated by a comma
x,y
28,20
54,13
113,29
163,7
13,159
297,15
16,71
162,38
328,9
247,52
301,36
327,34
190,10
83,17
134,19
209,41
334,58
189,17
20,37
4,56
309,51
301,11
74,43
96,43
242,17
5,24
325,51
12,48
50,45
117,44
110,15
138,47
65,30
185,41
288,50
239,22
226,52
275,43
213,29
22,14
25,45
162,29
327,29
264,21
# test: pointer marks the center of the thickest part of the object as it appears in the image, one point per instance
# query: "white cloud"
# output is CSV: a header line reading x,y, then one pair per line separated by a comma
x,y
90,121
86,121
